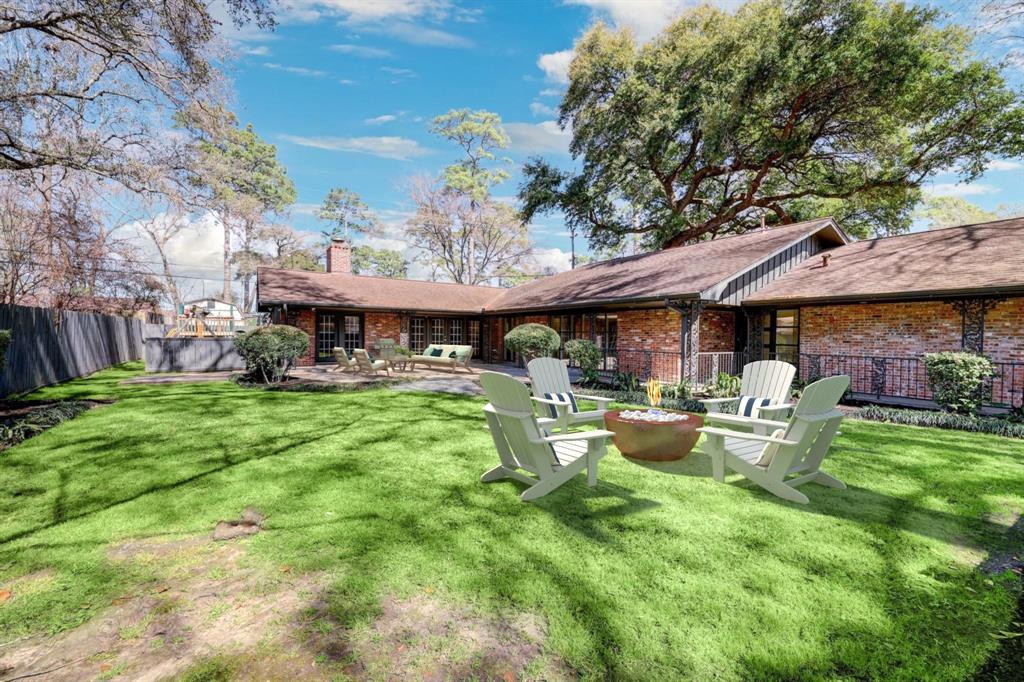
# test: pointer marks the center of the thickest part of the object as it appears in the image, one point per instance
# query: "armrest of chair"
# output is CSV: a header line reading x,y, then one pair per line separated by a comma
x,y
561,410
743,435
739,420
778,407
579,435
718,401
601,402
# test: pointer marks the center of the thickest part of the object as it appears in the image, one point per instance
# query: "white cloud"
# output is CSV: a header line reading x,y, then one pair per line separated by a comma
x,y
552,259
645,18
258,51
377,120
416,34
298,70
195,253
347,81
949,189
303,208
551,92
1003,165
362,11
556,65
387,147
538,138
398,75
541,109
362,51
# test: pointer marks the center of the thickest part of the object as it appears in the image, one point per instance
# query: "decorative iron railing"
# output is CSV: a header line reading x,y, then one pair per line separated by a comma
x,y
871,377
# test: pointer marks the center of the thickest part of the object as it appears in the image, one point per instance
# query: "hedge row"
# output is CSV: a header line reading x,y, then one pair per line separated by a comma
x,y
942,420
640,398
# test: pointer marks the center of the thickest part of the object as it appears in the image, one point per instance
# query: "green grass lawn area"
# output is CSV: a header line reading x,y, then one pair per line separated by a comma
x,y
658,572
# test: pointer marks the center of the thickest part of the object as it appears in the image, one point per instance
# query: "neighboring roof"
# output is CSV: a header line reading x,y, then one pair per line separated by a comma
x,y
983,258
300,287
680,272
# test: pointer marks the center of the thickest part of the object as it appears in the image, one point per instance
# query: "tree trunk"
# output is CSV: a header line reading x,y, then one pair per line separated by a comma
x,y
226,291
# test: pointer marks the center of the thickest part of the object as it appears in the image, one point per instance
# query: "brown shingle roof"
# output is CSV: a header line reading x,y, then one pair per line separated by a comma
x,y
299,287
683,271
988,257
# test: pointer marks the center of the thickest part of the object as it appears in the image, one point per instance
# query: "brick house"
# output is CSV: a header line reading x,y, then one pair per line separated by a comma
x,y
804,292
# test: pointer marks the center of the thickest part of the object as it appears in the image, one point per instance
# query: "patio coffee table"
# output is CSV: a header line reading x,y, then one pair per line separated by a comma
x,y
654,441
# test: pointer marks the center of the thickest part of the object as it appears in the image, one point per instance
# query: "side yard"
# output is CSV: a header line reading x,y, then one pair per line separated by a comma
x,y
380,551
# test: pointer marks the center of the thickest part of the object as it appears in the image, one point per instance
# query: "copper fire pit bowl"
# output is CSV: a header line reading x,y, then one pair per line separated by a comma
x,y
654,441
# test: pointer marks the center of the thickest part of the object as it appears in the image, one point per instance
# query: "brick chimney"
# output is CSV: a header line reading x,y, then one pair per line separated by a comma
x,y
339,257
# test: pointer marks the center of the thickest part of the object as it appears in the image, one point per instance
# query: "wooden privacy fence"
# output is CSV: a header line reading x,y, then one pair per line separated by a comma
x,y
48,347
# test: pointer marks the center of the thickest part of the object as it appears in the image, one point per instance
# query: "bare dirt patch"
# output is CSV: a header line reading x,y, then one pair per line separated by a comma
x,y
209,606
424,638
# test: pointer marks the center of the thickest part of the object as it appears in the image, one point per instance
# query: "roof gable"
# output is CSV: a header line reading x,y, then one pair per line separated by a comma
x,y
680,272
982,258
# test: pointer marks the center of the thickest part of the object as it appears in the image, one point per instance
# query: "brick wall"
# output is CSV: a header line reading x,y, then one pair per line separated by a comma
x,y
306,321
1004,342
657,330
880,329
905,331
381,326
1004,331
717,331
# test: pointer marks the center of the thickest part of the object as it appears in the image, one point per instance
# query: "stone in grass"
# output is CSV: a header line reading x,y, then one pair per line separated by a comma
x,y
250,523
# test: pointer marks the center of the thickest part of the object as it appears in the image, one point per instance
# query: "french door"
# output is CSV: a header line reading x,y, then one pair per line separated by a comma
x,y
458,331
343,330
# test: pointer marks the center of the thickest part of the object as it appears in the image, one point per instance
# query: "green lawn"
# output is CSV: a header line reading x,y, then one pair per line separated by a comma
x,y
658,572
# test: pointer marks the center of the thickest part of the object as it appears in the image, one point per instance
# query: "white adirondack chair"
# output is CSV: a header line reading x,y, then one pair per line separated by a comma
x,y
368,366
769,380
342,360
794,447
549,378
523,445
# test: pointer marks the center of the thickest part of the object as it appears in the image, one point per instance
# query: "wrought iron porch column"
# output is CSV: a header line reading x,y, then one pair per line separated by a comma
x,y
972,319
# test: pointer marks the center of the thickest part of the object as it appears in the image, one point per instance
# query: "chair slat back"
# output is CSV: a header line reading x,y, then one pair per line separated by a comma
x,y
548,375
362,358
813,425
768,379
514,411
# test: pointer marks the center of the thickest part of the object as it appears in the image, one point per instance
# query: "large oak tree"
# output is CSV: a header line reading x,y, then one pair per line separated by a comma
x,y
783,110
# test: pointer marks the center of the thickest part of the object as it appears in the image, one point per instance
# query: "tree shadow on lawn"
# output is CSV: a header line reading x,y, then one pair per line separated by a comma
x,y
82,508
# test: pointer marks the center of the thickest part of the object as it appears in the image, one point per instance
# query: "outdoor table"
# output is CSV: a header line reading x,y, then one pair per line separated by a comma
x,y
654,441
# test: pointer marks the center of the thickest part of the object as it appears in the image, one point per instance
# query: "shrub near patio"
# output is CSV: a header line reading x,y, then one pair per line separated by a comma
x,y
658,572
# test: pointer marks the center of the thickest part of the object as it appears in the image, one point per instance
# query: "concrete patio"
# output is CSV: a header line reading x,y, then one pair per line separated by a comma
x,y
421,379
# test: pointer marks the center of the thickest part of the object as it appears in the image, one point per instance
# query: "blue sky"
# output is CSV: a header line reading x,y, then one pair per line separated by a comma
x,y
346,89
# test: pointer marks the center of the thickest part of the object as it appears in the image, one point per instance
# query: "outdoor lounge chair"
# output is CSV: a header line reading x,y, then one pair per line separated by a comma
x,y
794,447
342,360
552,391
764,391
368,366
522,443
447,356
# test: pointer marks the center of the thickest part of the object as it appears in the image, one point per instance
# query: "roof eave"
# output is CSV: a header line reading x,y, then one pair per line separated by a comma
x,y
369,308
593,303
1007,290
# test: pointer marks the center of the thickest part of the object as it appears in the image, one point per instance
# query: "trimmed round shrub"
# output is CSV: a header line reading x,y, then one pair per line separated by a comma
x,y
533,340
587,355
269,352
958,379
